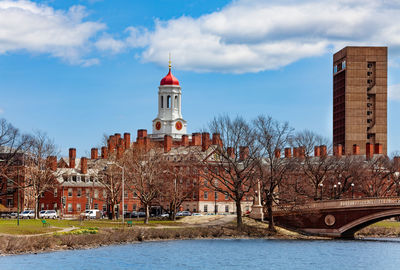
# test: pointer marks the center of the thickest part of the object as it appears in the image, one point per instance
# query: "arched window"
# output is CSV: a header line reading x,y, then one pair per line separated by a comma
x,y
176,102
162,101
168,101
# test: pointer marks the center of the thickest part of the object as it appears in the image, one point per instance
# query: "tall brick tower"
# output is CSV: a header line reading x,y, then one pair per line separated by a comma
x,y
169,120
360,98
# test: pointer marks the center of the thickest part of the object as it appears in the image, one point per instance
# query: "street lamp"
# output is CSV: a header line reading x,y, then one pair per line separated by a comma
x,y
334,191
352,190
339,187
321,186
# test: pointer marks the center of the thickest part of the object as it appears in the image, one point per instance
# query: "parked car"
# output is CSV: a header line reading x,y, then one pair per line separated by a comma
x,y
85,214
197,214
50,214
135,214
164,215
27,214
183,214
13,215
41,214
94,213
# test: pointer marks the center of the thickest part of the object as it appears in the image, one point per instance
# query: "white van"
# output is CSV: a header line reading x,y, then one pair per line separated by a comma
x,y
93,213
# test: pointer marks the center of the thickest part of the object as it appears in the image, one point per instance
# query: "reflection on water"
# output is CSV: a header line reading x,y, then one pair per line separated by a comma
x,y
221,254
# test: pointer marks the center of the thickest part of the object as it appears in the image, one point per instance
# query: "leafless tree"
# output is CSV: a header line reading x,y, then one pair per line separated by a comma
x,y
315,170
39,175
272,136
230,168
144,174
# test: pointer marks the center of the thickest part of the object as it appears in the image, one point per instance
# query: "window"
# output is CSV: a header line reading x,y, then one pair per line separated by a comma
x,y
96,206
42,206
55,192
74,178
125,207
70,192
87,206
78,207
168,101
194,195
134,207
96,193
226,196
10,203
344,64
79,192
55,206
176,102
226,208
205,195
78,178
87,193
162,101
335,69
206,208
104,208
70,207
125,194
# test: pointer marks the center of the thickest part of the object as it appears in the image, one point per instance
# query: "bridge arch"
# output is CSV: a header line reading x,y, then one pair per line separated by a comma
x,y
348,230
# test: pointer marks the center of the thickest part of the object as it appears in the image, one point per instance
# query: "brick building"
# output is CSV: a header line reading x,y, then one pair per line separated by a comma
x,y
360,99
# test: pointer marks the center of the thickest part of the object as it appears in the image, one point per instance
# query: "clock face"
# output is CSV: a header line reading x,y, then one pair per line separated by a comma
x,y
178,125
158,125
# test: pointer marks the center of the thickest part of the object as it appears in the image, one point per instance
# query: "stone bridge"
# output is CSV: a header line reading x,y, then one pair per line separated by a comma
x,y
336,218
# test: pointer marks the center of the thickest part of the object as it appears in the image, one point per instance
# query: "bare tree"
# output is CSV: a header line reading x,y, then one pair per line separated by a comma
x,y
230,168
273,170
110,177
40,176
179,182
315,169
144,174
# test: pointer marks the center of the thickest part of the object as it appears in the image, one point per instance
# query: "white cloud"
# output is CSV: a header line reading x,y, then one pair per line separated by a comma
x,y
394,92
256,35
37,28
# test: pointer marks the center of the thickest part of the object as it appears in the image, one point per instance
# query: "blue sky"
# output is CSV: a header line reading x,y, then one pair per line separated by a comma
x,y
79,69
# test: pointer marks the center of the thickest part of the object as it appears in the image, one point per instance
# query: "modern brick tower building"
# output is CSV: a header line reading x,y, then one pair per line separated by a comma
x,y
360,99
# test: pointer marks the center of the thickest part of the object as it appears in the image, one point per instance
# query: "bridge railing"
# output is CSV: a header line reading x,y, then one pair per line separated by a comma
x,y
343,203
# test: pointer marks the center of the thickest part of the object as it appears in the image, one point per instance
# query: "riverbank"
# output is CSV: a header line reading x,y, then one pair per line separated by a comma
x,y
87,236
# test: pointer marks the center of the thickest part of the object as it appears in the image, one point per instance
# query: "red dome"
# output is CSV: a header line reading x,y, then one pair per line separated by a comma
x,y
169,79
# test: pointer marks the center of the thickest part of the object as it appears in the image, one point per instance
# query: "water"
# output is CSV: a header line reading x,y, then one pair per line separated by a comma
x,y
221,255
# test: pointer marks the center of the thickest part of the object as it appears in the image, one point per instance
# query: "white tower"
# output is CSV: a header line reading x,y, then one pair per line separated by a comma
x,y
169,120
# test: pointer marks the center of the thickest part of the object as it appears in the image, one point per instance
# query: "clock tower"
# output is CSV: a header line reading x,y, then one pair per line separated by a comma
x,y
169,120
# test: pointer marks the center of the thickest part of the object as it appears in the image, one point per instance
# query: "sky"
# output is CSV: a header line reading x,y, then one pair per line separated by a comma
x,y
80,69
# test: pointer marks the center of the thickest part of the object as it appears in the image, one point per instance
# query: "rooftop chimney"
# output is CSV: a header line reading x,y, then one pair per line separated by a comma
x,y
127,140
94,153
167,143
356,149
378,149
104,152
277,153
337,150
369,150
84,165
288,152
72,157
185,140
231,152
216,139
52,163
205,141
141,133
120,151
317,151
323,150
196,139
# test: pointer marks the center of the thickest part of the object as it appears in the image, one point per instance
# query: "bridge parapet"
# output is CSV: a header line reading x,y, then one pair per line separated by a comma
x,y
338,204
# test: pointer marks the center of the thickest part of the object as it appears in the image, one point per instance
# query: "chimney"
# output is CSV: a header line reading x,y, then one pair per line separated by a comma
x,y
120,151
356,149
277,153
337,150
317,151
243,152
301,152
185,140
396,161
378,149
140,142
94,153
196,139
111,144
52,163
84,165
205,141
216,139
288,152
117,137
104,152
141,133
72,157
323,150
369,151
167,143
127,140
121,143
231,152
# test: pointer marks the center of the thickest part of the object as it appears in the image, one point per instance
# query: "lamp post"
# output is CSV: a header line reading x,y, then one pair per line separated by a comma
x,y
339,187
334,191
215,203
352,190
321,186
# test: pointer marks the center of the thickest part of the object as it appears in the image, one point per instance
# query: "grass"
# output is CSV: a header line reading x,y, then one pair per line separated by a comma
x,y
386,224
32,226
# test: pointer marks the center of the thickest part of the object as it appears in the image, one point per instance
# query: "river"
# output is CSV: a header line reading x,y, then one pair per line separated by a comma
x,y
221,255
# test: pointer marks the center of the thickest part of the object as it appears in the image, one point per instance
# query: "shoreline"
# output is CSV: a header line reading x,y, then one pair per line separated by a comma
x,y
24,245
